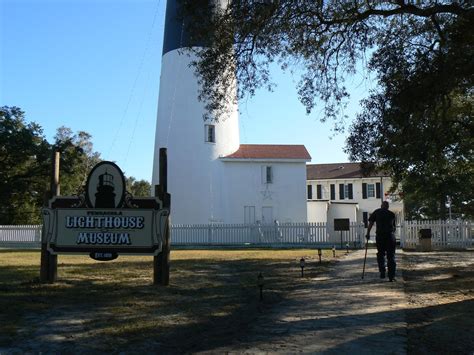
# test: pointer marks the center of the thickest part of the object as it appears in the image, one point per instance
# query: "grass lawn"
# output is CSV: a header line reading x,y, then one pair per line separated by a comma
x,y
113,306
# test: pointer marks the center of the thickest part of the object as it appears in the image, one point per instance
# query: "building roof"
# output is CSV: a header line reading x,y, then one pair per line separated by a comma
x,y
338,171
270,151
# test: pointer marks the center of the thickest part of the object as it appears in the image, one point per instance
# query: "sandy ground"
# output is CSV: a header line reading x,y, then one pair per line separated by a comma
x,y
429,310
440,294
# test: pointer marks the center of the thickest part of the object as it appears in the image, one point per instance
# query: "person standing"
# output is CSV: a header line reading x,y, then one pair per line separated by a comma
x,y
384,239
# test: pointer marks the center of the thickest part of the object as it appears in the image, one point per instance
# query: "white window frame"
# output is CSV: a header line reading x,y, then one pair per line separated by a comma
x,y
208,136
370,194
346,191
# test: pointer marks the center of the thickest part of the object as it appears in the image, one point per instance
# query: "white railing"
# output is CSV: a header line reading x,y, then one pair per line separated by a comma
x,y
449,234
445,235
20,236
261,234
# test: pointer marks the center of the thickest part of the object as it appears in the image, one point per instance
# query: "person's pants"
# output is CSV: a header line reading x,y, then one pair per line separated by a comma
x,y
386,246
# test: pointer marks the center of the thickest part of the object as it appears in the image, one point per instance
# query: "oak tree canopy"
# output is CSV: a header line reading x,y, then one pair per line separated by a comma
x,y
416,122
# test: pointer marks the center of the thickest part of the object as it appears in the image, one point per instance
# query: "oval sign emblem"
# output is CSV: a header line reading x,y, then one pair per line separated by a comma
x,y
103,255
105,187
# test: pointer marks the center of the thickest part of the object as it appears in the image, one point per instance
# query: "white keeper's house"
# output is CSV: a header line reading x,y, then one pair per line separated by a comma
x,y
264,184
341,190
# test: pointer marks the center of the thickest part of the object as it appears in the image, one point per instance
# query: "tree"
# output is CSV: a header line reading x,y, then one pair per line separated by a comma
x,y
77,159
326,39
25,167
26,161
418,124
140,188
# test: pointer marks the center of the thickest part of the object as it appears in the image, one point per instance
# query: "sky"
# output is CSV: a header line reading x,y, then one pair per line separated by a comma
x,y
94,66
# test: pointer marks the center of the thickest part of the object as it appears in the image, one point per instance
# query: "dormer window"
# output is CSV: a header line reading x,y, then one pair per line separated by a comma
x,y
210,133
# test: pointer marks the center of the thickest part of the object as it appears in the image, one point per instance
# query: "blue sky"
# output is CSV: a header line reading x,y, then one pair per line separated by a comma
x,y
94,65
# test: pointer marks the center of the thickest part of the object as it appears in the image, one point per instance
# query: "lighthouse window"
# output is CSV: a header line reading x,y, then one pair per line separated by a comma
x,y
210,131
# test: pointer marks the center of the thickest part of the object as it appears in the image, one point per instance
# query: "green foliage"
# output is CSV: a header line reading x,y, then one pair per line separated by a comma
x,y
77,159
138,188
26,166
418,124
327,40
24,160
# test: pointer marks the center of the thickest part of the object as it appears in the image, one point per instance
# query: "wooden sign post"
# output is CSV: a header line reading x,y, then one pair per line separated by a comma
x,y
341,224
49,262
106,221
161,262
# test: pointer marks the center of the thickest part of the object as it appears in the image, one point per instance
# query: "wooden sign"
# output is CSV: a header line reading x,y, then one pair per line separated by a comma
x,y
341,224
105,219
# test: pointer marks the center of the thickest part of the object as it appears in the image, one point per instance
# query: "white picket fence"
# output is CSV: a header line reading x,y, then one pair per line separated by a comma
x,y
20,236
449,234
445,235
273,234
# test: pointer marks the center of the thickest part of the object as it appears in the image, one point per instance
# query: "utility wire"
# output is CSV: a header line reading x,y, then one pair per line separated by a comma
x,y
132,91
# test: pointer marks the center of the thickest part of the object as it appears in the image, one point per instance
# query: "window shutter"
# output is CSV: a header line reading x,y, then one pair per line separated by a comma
x,y
377,190
365,218
341,191
310,192
319,192
351,194
333,192
364,190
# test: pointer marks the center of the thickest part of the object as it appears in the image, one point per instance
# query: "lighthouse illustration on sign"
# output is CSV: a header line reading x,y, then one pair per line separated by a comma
x,y
105,196
105,187
193,145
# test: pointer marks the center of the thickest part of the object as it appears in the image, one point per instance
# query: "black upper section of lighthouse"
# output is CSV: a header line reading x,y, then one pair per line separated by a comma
x,y
177,25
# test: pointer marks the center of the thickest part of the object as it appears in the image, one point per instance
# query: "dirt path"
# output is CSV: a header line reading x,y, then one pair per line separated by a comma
x,y
430,310
336,314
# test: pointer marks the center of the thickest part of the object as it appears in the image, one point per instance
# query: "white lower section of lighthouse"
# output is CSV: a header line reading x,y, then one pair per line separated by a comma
x,y
195,174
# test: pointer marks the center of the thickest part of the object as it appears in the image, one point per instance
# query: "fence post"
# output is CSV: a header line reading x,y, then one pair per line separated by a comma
x,y
37,234
469,230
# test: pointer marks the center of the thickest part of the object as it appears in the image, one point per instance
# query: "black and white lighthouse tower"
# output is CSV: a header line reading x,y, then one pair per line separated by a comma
x,y
196,177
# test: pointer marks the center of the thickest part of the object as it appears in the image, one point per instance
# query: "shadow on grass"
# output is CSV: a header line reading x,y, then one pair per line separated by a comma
x,y
113,306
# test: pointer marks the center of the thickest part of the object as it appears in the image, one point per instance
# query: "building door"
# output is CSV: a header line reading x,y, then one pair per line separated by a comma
x,y
249,214
267,215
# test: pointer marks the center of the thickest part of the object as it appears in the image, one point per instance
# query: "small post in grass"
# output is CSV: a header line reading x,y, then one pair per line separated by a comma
x,y
260,285
320,252
334,251
347,248
302,265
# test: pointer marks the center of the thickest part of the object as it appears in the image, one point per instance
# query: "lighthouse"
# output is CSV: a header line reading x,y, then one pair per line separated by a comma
x,y
195,175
